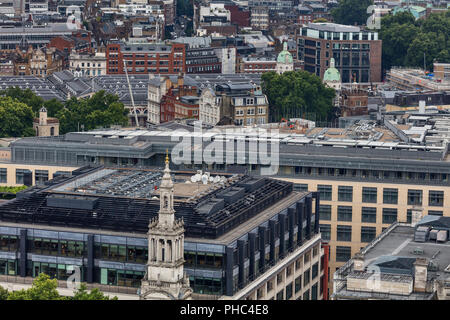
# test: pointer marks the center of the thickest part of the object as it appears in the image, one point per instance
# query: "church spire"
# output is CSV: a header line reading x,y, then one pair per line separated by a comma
x,y
165,277
166,210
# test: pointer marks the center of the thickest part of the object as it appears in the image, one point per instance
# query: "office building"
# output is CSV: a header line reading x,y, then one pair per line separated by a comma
x,y
244,237
144,58
356,52
368,175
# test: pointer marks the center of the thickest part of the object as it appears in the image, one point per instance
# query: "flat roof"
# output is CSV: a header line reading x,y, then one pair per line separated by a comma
x,y
399,242
87,200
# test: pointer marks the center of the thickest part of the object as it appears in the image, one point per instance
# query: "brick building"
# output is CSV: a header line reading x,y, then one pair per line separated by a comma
x,y
179,102
354,103
239,16
357,52
256,64
142,58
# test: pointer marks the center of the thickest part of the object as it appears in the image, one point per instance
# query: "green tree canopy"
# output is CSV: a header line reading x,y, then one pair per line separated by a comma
x,y
405,40
16,118
3,293
351,12
18,108
297,94
101,110
34,101
44,288
95,294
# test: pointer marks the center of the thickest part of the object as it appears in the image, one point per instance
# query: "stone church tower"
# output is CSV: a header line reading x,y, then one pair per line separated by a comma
x,y
165,278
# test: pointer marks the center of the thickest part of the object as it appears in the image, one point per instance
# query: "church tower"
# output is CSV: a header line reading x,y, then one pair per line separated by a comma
x,y
165,278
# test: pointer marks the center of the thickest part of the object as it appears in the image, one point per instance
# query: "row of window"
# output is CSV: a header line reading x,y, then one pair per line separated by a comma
x,y
365,174
370,195
105,276
344,233
40,176
368,214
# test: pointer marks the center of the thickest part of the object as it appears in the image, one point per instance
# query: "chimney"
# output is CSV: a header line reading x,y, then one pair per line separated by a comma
x,y
358,262
416,216
180,80
422,106
420,274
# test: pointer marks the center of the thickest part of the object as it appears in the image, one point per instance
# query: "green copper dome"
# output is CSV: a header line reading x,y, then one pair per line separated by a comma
x,y
332,74
284,56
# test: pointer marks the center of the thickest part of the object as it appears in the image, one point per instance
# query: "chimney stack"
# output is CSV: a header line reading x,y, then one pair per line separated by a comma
x,y
422,106
358,262
420,274
416,216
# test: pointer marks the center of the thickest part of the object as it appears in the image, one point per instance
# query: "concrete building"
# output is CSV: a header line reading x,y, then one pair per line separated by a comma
x,y
416,80
209,107
268,248
202,60
257,64
357,53
239,103
358,197
405,262
87,65
273,5
442,71
35,36
214,14
259,18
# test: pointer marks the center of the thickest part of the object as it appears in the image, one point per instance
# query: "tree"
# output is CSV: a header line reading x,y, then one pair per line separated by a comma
x,y
397,33
3,293
34,101
95,294
101,110
297,94
43,288
351,12
16,118
405,40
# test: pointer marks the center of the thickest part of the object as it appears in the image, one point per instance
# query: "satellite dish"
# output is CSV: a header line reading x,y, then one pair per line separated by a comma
x,y
194,179
198,177
216,179
204,179
211,179
187,181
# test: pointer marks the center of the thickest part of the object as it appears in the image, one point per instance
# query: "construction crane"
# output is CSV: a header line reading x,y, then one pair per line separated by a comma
x,y
131,94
